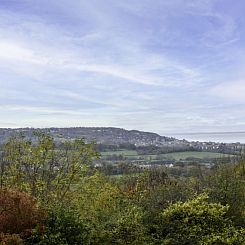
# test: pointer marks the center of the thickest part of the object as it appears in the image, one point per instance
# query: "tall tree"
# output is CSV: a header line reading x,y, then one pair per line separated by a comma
x,y
41,168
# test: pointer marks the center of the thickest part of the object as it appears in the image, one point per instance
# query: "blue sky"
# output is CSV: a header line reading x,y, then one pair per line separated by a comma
x,y
167,66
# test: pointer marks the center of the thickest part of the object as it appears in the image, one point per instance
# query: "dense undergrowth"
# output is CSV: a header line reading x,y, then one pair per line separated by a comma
x,y
53,195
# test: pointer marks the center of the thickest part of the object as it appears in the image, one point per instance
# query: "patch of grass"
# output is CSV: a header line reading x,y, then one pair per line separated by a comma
x,y
124,153
175,155
187,154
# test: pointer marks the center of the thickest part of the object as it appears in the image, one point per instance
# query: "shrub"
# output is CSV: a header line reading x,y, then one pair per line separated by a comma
x,y
19,214
7,239
199,222
62,227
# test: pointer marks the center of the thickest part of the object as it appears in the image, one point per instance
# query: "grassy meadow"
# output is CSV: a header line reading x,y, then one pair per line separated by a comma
x,y
175,155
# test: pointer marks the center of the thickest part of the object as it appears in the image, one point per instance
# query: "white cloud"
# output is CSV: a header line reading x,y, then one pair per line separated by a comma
x,y
11,50
142,71
232,91
31,46
130,64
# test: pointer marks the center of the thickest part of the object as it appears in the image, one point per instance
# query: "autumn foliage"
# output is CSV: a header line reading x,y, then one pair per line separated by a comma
x,y
19,214
83,206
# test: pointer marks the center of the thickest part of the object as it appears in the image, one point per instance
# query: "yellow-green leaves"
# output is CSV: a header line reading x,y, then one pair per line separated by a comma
x,y
198,222
41,168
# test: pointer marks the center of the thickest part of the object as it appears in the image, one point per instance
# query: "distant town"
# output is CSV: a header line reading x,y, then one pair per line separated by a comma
x,y
110,136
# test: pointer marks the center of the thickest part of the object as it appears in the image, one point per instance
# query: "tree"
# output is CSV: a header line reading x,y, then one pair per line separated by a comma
x,y
42,169
198,222
113,217
226,186
19,214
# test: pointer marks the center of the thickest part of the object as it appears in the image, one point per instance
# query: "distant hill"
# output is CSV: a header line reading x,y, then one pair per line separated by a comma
x,y
105,135
117,136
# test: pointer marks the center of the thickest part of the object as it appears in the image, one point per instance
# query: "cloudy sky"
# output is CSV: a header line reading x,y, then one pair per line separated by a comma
x,y
166,66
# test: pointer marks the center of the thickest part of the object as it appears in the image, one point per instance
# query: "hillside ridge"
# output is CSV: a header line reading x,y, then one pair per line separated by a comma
x,y
108,135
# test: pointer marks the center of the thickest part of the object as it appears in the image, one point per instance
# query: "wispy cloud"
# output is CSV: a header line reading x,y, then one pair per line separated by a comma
x,y
136,64
232,91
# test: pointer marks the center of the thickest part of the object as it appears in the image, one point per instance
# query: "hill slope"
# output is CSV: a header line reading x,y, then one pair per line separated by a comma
x,y
108,135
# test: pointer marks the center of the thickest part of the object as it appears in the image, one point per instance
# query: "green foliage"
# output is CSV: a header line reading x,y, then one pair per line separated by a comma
x,y
82,206
231,236
129,229
63,226
115,218
227,186
198,222
42,169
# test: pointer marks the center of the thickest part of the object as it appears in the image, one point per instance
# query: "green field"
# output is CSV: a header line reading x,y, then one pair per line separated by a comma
x,y
124,153
183,155
175,155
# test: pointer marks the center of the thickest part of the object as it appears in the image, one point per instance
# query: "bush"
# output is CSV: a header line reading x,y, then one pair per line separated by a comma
x,y
62,227
199,222
19,214
7,239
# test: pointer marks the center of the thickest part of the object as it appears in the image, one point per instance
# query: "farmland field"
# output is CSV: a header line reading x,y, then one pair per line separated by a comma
x,y
194,154
175,155
124,153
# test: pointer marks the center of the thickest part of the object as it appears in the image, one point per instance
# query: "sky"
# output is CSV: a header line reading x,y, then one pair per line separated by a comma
x,y
165,66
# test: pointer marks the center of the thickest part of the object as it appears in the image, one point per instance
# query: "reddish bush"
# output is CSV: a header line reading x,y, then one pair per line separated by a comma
x,y
14,239
19,214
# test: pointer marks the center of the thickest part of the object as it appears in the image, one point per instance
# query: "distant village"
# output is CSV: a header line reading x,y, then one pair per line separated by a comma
x,y
118,136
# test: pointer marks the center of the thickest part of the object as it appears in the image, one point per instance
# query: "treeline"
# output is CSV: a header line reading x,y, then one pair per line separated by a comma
x,y
144,150
115,147
53,195
174,147
155,150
